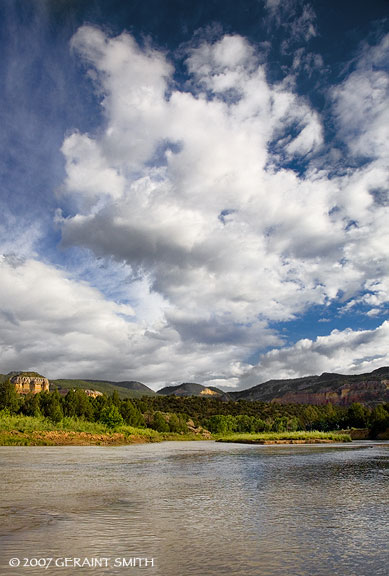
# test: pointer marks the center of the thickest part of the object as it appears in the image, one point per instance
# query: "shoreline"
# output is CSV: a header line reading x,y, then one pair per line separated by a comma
x,y
79,438
269,442
120,438
69,438
299,437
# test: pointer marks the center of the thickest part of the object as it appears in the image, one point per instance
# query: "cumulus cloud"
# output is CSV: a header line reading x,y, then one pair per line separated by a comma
x,y
48,319
212,160
194,233
65,328
348,351
361,103
189,189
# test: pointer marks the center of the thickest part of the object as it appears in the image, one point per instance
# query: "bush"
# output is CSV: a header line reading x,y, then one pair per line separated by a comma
x,y
50,404
111,417
9,398
77,403
159,423
131,414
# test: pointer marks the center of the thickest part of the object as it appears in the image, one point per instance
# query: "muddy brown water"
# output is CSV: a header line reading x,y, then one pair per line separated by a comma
x,y
195,509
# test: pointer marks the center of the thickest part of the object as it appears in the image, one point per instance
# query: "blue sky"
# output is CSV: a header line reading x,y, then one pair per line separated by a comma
x,y
194,191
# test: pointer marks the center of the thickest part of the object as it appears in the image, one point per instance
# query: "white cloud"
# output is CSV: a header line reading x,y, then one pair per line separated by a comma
x,y
185,188
88,173
204,238
65,328
361,103
347,352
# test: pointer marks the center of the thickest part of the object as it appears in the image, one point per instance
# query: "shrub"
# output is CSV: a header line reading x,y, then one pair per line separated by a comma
x,y
111,417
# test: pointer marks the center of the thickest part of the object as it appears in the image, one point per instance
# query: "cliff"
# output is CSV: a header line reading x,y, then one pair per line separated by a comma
x,y
30,382
340,389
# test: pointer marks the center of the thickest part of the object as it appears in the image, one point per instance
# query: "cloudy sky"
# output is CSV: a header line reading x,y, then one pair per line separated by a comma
x,y
194,191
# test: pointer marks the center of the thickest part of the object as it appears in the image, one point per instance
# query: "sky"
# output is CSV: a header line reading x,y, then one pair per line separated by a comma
x,y
194,191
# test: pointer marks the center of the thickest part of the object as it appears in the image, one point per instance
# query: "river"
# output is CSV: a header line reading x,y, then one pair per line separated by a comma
x,y
195,508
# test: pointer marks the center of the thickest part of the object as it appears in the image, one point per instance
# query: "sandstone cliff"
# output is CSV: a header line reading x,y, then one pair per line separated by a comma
x,y
30,382
340,389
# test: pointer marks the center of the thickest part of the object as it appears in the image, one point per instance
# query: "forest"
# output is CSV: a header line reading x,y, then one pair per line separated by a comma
x,y
177,414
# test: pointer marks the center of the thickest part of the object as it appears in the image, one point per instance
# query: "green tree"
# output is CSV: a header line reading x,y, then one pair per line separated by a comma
x,y
292,424
379,419
244,423
111,417
78,404
177,423
131,415
159,423
357,415
115,398
31,405
259,425
9,398
51,406
220,424
309,417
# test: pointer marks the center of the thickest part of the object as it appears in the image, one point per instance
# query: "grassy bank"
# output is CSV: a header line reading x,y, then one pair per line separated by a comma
x,y
18,430
313,437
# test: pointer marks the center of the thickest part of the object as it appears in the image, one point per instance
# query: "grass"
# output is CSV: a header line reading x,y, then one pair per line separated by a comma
x,y
16,429
23,423
20,430
301,436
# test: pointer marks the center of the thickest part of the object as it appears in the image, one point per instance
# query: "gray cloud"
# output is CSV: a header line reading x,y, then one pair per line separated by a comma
x,y
211,241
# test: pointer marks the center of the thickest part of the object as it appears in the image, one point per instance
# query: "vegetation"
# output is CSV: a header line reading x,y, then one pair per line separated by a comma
x,y
104,387
160,417
254,416
17,429
288,437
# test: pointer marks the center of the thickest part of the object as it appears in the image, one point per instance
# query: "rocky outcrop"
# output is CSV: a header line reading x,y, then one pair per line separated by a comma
x,y
93,393
193,389
370,389
365,392
30,383
209,392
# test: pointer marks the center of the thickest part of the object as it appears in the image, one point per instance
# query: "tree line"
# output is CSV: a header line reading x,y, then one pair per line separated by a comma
x,y
256,416
172,413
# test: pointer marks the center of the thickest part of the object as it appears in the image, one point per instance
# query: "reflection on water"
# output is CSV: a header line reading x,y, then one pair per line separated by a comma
x,y
198,508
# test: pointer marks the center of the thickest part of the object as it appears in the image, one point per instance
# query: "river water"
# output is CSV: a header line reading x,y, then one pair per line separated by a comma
x,y
195,508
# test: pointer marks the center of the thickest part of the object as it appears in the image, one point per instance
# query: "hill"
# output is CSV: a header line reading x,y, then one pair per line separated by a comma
x,y
125,389
370,388
193,389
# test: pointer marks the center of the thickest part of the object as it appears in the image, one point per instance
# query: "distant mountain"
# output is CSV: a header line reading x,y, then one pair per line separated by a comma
x,y
371,388
193,389
125,389
132,385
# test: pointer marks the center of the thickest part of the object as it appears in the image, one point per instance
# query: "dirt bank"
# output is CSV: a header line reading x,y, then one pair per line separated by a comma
x,y
67,438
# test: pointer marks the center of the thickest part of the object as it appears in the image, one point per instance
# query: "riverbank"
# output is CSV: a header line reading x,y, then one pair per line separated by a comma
x,y
70,438
19,430
313,437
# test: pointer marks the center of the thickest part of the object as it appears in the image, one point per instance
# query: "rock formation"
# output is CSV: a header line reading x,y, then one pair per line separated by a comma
x,y
26,383
370,389
93,393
